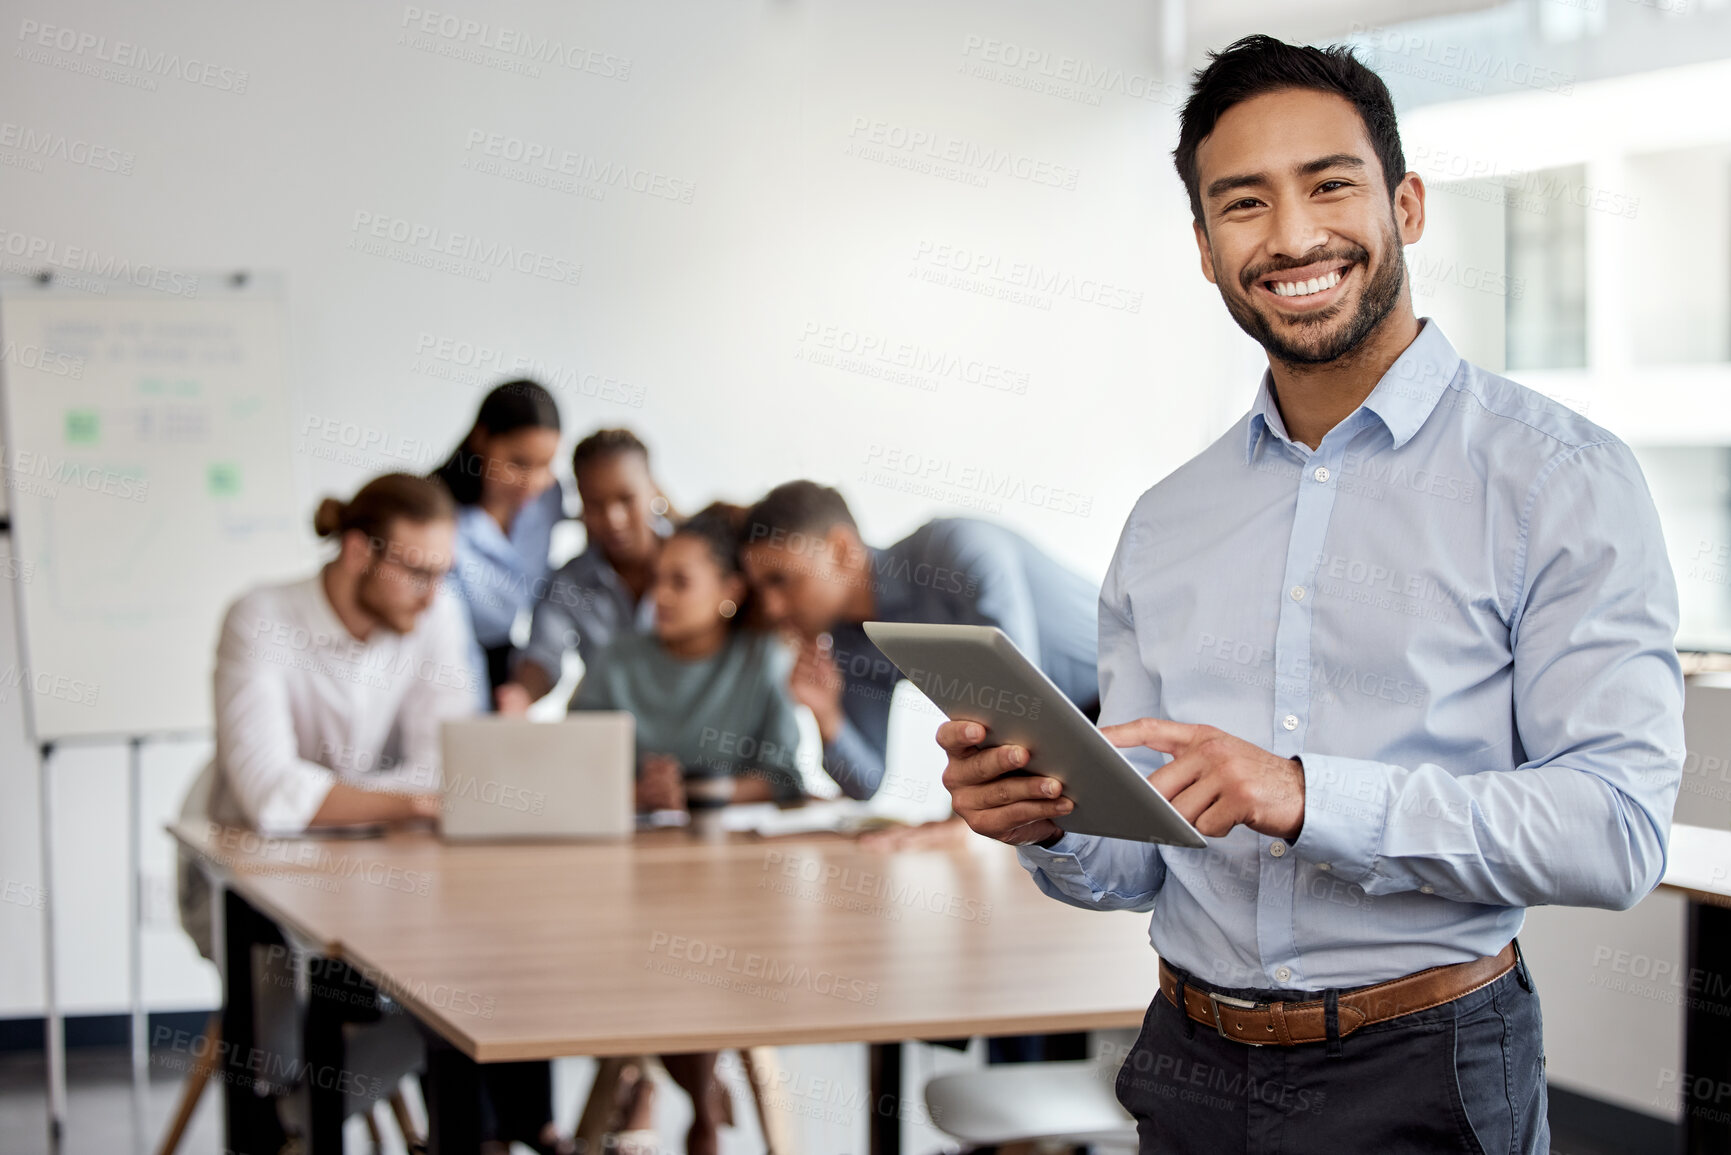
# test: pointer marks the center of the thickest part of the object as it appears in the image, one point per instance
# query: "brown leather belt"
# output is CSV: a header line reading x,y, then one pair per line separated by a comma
x,y
1286,1023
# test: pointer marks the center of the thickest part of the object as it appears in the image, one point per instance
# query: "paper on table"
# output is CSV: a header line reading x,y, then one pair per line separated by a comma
x,y
768,820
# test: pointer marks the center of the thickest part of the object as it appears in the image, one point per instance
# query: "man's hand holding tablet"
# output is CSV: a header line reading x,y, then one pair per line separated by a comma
x,y
1032,764
1216,781
1014,809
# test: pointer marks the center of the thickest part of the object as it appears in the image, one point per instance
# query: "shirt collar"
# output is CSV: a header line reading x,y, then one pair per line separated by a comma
x,y
1402,400
322,619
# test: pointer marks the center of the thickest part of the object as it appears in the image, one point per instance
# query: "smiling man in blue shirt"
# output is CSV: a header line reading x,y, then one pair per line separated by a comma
x,y
1400,644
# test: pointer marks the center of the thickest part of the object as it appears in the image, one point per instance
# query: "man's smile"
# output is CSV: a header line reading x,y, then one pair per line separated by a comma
x,y
1313,286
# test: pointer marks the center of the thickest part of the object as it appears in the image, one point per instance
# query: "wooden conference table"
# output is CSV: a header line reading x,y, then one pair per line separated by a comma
x,y
1699,868
666,944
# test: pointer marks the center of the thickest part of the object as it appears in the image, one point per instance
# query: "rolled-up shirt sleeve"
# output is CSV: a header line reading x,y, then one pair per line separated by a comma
x,y
1086,870
256,748
1584,820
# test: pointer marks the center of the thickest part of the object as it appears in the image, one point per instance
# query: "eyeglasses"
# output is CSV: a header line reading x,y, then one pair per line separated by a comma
x,y
418,577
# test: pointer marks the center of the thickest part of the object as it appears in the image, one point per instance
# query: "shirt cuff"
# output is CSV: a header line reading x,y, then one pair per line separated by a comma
x,y
1066,847
1345,813
287,808
1060,866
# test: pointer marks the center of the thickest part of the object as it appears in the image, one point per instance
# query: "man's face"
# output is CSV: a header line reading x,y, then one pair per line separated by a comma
x,y
1301,237
802,582
618,510
403,573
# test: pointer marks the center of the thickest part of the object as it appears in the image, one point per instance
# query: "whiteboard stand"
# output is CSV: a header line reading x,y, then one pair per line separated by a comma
x,y
54,1022
238,513
135,940
53,1028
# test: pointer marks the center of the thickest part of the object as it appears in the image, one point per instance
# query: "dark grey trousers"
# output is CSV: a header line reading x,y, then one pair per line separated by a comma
x,y
1467,1077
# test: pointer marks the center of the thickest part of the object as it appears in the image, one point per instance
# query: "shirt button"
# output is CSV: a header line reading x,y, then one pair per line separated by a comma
x,y
1277,848
1324,866
1284,974
1427,888
1297,593
1290,721
1321,473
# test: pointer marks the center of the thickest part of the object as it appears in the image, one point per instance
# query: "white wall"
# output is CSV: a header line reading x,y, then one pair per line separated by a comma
x,y
712,316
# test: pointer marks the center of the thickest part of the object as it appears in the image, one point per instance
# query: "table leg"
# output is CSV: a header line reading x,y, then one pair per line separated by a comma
x,y
1707,1031
250,1123
603,1099
885,1064
336,995
452,1088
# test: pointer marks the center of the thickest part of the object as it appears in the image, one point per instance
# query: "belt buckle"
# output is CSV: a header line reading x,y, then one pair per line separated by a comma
x,y
1214,1002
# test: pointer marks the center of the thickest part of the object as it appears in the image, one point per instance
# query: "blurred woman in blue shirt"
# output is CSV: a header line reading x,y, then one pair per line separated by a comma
x,y
508,501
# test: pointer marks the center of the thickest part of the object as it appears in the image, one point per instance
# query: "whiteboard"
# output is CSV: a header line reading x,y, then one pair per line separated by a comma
x,y
147,463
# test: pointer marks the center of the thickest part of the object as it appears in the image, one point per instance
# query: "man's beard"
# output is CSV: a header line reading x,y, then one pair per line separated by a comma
x,y
380,609
1375,303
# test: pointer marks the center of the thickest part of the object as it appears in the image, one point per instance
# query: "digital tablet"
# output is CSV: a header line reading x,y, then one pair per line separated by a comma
x,y
976,674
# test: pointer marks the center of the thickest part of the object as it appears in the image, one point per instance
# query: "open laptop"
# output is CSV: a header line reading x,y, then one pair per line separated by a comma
x,y
509,778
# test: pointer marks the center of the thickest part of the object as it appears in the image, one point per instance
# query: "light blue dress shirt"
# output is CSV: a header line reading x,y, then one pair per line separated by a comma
x,y
499,575
1458,613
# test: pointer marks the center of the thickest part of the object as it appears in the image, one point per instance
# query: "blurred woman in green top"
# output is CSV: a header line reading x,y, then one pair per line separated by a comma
x,y
708,691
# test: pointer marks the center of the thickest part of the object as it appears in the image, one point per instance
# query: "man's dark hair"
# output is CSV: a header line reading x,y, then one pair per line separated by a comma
x,y
803,507
604,443
1257,65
